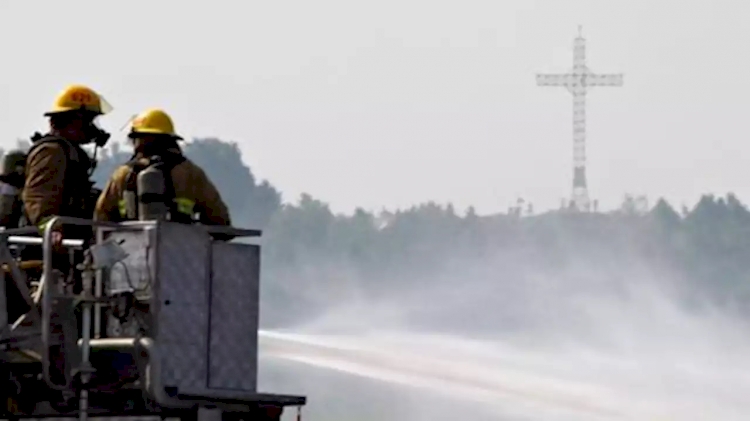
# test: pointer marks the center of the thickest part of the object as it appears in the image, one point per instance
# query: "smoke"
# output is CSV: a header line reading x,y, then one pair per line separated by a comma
x,y
512,336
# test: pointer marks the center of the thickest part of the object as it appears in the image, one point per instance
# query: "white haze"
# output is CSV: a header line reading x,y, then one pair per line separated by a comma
x,y
503,338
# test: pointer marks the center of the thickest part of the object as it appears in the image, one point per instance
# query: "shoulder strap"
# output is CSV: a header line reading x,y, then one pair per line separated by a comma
x,y
135,167
173,159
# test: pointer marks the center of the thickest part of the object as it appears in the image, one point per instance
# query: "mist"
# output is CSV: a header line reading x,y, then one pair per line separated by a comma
x,y
429,313
570,329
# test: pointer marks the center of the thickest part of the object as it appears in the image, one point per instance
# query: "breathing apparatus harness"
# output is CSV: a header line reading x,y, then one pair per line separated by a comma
x,y
149,191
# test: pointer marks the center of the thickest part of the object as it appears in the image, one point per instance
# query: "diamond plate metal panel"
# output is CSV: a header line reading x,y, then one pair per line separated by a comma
x,y
181,306
234,316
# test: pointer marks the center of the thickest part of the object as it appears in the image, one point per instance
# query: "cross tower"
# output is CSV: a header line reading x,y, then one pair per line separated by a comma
x,y
577,82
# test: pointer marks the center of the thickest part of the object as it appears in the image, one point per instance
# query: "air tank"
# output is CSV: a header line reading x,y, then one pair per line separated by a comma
x,y
152,203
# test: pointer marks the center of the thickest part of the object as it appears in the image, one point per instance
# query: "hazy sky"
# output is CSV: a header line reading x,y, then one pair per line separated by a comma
x,y
398,102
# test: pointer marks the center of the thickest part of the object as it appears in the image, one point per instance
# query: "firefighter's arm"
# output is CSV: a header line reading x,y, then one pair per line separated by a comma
x,y
108,205
45,179
209,203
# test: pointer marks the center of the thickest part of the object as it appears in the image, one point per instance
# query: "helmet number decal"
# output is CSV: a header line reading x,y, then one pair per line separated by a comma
x,y
82,97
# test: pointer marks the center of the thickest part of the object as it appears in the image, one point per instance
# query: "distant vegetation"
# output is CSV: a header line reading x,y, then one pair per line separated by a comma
x,y
314,257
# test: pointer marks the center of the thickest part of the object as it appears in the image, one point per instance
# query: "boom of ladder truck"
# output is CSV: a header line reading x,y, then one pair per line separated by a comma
x,y
148,319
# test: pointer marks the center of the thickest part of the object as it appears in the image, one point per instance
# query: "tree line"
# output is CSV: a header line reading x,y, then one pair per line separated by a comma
x,y
313,256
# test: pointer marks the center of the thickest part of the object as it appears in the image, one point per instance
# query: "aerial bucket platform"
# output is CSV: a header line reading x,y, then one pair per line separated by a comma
x,y
151,319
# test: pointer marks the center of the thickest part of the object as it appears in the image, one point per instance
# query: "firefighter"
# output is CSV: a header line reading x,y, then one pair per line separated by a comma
x,y
57,183
187,195
11,211
11,183
58,170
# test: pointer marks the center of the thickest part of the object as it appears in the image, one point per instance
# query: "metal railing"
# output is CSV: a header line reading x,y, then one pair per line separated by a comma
x,y
92,277
92,288
88,297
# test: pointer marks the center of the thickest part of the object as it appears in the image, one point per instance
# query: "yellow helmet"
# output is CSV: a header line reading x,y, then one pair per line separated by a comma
x,y
79,97
153,121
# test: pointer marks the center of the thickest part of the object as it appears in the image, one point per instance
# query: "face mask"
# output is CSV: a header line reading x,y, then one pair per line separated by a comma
x,y
96,135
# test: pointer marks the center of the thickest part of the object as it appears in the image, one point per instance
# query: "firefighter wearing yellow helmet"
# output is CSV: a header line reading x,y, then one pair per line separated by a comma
x,y
57,173
57,183
159,182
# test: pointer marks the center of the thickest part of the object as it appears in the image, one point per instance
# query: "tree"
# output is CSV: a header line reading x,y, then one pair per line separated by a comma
x,y
251,204
664,215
